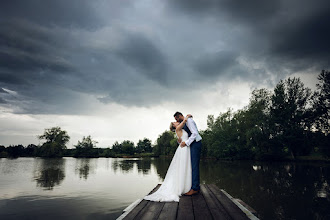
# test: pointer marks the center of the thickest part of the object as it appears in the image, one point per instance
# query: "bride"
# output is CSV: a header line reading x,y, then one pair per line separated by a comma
x,y
178,177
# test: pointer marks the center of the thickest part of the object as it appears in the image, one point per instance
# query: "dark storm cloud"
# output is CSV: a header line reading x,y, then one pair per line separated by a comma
x,y
2,101
216,64
54,54
25,46
238,10
73,13
2,90
141,53
288,31
307,38
51,66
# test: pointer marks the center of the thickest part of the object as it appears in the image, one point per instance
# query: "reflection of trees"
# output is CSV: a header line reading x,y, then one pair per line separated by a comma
x,y
127,166
84,166
144,165
50,173
162,164
273,189
276,190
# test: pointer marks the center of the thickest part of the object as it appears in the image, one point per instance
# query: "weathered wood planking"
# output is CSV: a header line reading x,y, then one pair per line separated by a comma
x,y
169,211
133,213
215,207
230,207
201,209
211,203
185,210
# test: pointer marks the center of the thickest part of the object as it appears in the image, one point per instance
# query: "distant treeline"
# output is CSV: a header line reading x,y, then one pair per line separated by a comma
x,y
289,121
56,139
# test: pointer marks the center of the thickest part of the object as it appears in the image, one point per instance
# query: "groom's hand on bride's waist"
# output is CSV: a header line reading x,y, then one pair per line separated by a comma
x,y
183,144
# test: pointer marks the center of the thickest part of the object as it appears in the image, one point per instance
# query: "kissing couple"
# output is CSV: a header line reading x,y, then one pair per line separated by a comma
x,y
182,177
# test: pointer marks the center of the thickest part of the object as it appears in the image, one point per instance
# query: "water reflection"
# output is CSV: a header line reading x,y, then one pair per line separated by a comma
x,y
125,166
85,166
49,173
274,190
143,166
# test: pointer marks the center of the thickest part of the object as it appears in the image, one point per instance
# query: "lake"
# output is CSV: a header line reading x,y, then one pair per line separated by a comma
x,y
100,188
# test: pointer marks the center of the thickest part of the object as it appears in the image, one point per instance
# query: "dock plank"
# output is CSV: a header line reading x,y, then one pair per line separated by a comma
x,y
185,210
201,210
150,211
169,211
211,203
235,212
216,209
132,214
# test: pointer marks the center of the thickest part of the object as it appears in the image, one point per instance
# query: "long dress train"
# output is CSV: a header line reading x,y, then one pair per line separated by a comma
x,y
178,177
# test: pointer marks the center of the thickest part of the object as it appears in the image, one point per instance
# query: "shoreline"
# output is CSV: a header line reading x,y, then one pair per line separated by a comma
x,y
298,159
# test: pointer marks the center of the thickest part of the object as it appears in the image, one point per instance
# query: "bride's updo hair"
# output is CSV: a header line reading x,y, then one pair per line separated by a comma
x,y
172,128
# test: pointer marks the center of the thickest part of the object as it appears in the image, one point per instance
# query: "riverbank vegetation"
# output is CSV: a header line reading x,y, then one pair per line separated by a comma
x,y
290,122
54,146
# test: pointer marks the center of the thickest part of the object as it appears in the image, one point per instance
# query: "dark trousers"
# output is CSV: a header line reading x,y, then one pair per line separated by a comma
x,y
195,154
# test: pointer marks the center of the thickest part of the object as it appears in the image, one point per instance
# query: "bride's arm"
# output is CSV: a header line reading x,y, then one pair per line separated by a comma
x,y
180,126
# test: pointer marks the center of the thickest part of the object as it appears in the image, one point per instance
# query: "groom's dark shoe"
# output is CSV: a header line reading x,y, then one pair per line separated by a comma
x,y
191,192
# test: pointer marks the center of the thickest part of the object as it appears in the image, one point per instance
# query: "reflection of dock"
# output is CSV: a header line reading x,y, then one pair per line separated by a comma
x,y
211,203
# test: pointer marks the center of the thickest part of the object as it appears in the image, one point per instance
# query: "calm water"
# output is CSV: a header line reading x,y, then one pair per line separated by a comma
x,y
69,188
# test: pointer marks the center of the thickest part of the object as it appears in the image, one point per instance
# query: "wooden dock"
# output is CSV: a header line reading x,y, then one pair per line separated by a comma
x,y
211,203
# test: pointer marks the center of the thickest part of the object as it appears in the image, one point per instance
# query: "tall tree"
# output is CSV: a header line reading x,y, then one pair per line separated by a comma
x,y
165,144
128,147
320,113
288,115
84,148
144,146
321,102
55,141
117,147
86,142
257,117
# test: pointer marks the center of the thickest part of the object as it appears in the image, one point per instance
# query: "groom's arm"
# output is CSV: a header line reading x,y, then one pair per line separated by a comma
x,y
192,127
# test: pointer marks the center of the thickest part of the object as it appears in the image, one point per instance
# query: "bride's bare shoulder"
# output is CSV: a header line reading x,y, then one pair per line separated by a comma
x,y
178,132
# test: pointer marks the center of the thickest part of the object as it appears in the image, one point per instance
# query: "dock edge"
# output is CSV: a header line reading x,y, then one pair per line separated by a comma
x,y
128,209
247,212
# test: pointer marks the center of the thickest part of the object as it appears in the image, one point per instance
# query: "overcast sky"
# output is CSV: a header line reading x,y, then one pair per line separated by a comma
x,y
119,70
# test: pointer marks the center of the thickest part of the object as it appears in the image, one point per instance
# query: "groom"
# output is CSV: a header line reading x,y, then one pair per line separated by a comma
x,y
195,144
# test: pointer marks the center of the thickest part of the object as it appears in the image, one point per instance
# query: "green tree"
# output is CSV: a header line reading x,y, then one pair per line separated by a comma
x,y
15,151
257,123
117,148
221,136
86,142
3,151
55,141
144,146
321,103
320,113
107,152
165,144
31,150
85,148
289,117
128,147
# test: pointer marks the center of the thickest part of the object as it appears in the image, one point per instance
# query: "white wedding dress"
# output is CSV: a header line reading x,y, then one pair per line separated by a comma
x,y
178,177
